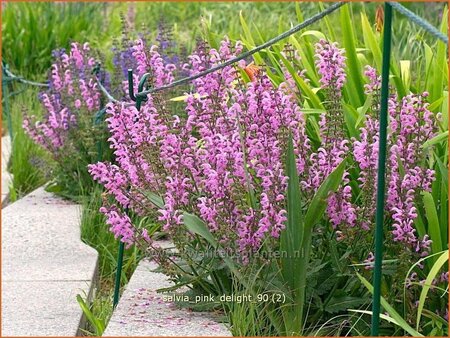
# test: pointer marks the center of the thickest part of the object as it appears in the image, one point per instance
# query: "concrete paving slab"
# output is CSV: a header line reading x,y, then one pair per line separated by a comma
x,y
44,264
143,312
41,240
46,308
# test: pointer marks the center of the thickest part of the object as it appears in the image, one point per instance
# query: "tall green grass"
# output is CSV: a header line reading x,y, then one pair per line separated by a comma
x,y
28,162
434,324
30,31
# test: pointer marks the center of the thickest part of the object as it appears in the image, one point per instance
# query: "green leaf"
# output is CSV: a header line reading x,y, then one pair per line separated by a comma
x,y
351,116
292,236
417,263
435,317
440,64
443,171
154,199
382,316
362,59
420,226
313,111
433,222
313,215
363,110
331,31
444,111
318,35
197,226
307,65
405,71
370,40
318,204
437,139
292,263
305,88
247,39
98,324
248,34
394,314
194,224
428,282
434,107
355,85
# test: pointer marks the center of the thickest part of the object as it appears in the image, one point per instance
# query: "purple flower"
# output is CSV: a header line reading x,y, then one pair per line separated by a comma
x,y
73,91
330,63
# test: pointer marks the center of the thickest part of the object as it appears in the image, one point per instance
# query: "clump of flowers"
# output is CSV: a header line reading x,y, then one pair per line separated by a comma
x,y
352,211
226,149
222,157
334,146
67,129
411,124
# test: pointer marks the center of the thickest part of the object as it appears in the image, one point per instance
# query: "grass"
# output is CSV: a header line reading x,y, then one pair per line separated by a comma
x,y
30,31
27,160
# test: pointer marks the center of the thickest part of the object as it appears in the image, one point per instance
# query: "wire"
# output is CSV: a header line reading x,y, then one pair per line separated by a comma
x,y
268,43
419,21
12,77
105,91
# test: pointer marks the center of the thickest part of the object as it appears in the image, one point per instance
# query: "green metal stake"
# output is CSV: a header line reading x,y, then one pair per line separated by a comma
x,y
379,219
118,274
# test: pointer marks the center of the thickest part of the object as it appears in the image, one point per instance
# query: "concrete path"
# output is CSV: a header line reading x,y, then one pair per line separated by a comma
x,y
44,266
6,176
143,312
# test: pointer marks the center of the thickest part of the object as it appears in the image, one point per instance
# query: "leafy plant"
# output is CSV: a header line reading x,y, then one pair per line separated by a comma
x,y
434,324
99,325
69,130
297,239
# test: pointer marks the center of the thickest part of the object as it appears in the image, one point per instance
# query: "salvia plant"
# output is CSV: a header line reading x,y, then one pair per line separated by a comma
x,y
69,128
236,167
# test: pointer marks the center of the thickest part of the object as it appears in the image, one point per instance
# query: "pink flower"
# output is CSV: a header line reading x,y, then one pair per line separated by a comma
x,y
330,63
71,83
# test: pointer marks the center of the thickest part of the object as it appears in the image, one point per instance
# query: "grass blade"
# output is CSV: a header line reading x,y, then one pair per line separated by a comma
x,y
292,236
355,85
433,222
394,314
428,282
